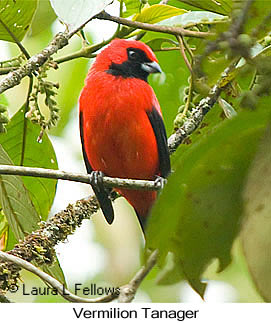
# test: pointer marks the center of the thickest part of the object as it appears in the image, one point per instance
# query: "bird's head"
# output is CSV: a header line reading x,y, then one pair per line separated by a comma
x,y
127,58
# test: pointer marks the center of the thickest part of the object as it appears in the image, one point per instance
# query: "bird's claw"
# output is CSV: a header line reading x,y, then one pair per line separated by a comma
x,y
96,179
160,182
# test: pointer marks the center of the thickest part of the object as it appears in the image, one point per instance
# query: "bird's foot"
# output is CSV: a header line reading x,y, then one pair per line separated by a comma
x,y
160,182
96,179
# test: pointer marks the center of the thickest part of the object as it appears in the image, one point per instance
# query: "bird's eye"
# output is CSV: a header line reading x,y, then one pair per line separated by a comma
x,y
132,54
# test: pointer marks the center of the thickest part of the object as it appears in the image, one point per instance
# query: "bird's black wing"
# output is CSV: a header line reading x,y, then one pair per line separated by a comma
x,y
161,139
100,192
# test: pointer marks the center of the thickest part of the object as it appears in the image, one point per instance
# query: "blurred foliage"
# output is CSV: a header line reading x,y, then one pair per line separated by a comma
x,y
220,181
258,211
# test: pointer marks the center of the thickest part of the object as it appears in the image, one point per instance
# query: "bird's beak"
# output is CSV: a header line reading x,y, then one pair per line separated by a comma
x,y
152,67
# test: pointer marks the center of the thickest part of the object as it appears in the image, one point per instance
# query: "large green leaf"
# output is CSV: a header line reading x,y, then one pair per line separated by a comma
x,y
202,202
219,6
17,16
157,12
16,203
77,12
20,142
256,233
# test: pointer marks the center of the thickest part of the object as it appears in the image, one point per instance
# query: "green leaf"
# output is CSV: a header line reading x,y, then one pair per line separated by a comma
x,y
132,7
76,12
223,7
256,231
23,148
194,18
202,201
20,142
17,16
16,203
157,12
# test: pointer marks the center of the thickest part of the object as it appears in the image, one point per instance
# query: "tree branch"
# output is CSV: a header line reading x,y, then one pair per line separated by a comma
x,y
81,178
151,27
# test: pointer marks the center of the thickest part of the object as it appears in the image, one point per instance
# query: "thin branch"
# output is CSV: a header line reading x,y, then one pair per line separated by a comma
x,y
87,179
127,292
182,50
157,28
65,293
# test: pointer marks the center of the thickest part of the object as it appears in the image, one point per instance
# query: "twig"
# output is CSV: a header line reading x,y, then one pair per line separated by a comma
x,y
127,292
158,28
57,174
65,293
182,50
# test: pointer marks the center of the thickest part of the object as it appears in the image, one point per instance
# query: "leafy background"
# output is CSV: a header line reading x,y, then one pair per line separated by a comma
x,y
220,181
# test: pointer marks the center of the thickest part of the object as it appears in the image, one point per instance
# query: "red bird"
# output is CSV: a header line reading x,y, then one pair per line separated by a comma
x,y
121,125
